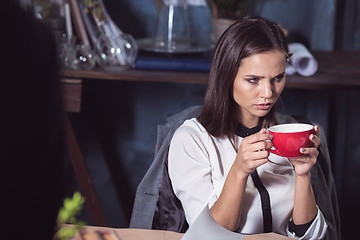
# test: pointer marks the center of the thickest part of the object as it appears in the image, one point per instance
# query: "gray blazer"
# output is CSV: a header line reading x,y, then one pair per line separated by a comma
x,y
156,206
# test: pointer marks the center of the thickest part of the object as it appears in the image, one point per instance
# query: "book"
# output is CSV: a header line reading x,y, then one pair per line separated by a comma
x,y
172,64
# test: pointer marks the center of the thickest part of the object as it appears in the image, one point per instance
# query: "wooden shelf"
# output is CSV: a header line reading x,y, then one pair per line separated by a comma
x,y
336,70
138,75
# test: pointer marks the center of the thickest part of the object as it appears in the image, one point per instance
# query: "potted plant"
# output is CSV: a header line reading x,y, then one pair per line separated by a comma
x,y
224,13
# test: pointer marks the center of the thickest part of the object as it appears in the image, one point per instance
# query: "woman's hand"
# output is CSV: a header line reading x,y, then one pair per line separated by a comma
x,y
251,152
304,163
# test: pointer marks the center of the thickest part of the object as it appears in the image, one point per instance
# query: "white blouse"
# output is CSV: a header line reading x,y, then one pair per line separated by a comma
x,y
198,167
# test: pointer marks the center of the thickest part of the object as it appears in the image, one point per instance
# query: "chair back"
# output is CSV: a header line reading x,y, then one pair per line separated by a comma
x,y
155,205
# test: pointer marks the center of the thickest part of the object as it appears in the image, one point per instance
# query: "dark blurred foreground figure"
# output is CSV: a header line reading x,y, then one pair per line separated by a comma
x,y
31,140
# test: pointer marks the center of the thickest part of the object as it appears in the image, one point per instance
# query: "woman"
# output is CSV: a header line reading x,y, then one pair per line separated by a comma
x,y
220,159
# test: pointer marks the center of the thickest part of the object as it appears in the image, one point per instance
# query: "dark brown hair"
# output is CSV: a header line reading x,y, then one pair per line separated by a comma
x,y
249,36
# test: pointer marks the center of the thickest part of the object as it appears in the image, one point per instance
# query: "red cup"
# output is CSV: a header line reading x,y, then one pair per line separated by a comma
x,y
289,138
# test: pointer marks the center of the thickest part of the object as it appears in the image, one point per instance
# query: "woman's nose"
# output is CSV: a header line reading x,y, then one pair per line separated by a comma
x,y
266,90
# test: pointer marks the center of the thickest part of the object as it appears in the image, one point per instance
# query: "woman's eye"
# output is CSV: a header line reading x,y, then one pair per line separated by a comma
x,y
253,80
278,78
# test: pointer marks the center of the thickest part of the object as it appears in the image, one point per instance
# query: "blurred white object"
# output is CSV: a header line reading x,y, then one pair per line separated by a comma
x,y
290,70
302,60
197,3
115,52
79,57
69,30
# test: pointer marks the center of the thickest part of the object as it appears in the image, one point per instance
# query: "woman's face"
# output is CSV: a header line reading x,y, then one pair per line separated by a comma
x,y
258,85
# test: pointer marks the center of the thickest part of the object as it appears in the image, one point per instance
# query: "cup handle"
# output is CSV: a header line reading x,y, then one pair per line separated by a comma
x,y
273,150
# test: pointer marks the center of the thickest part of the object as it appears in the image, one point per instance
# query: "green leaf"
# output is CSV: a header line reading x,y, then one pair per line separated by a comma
x,y
66,233
67,214
80,224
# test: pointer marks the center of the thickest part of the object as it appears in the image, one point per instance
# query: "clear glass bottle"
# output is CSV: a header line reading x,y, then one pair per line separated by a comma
x,y
172,28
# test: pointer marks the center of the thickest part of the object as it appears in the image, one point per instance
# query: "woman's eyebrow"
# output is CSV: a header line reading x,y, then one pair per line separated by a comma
x,y
283,73
258,76
280,75
254,76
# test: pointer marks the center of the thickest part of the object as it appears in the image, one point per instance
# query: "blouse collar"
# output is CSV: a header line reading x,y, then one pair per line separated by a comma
x,y
243,131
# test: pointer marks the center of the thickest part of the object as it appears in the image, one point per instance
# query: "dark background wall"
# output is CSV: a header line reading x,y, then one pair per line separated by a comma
x,y
128,112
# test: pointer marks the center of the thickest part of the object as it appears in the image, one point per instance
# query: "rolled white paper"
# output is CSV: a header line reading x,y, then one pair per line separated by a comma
x,y
69,30
302,60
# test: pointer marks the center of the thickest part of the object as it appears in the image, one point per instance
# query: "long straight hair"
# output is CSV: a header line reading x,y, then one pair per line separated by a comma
x,y
249,36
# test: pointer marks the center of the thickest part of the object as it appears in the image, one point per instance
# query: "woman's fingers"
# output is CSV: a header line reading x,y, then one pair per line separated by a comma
x,y
304,163
315,137
317,130
256,159
260,146
252,152
262,135
312,152
256,143
316,142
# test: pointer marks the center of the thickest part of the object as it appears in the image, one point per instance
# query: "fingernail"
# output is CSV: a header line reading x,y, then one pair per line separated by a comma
x,y
302,150
271,136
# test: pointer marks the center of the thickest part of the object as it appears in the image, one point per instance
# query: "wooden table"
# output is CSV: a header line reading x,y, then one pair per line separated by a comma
x,y
92,233
337,70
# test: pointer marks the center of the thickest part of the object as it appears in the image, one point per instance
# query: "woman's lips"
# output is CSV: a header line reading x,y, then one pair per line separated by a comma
x,y
264,106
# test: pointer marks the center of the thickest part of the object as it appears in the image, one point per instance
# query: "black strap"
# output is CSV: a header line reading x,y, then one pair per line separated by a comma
x,y
265,202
